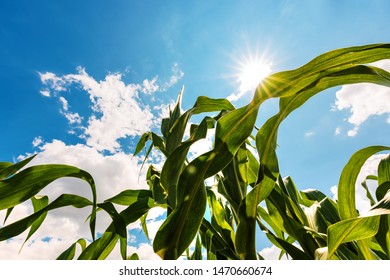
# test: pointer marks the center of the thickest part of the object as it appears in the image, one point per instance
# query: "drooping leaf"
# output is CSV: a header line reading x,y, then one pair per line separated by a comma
x,y
142,142
28,182
20,226
348,177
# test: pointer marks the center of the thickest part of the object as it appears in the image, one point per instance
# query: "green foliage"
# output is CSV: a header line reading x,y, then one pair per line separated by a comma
x,y
248,194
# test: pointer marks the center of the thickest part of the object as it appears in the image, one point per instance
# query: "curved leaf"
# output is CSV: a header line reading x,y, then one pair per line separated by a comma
x,y
20,226
28,182
348,177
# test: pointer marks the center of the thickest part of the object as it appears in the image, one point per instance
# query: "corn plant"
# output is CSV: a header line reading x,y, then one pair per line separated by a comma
x,y
249,192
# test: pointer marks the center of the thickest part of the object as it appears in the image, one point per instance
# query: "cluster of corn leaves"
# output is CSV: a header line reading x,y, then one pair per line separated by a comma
x,y
249,191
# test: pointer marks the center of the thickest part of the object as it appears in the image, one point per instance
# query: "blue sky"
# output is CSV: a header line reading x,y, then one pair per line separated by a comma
x,y
67,65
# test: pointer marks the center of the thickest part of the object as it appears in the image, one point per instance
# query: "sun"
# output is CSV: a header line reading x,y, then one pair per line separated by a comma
x,y
251,72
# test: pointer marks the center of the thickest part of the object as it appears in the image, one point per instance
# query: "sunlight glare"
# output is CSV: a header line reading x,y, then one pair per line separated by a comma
x,y
252,73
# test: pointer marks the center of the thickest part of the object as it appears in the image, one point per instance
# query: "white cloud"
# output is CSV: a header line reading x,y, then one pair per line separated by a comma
x,y
117,112
309,134
235,96
177,74
37,141
271,253
51,81
150,87
64,103
364,100
45,92
337,131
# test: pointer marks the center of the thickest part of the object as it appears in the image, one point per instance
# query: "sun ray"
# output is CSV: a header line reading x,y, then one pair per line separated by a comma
x,y
250,71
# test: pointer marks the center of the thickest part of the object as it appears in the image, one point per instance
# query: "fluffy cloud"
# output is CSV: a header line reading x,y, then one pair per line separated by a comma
x,y
271,253
364,100
177,74
117,109
116,112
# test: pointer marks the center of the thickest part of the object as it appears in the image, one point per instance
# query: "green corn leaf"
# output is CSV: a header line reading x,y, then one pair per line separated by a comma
x,y
28,182
205,104
264,216
197,254
159,143
246,230
315,220
351,230
128,197
175,163
144,225
153,180
9,211
103,246
295,88
142,143
191,196
383,235
384,170
311,195
134,257
176,133
219,245
7,168
383,177
235,177
218,212
176,113
368,194
290,249
167,244
358,228
69,253
209,237
3,166
20,226
348,177
118,220
382,190
328,210
38,202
